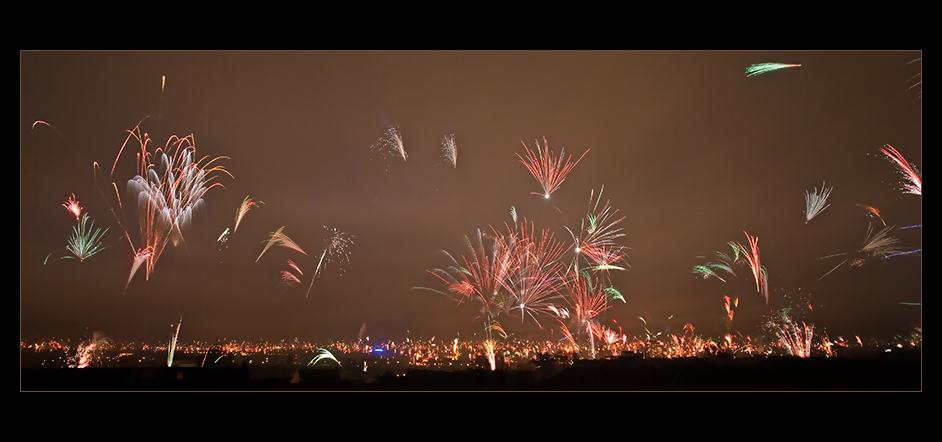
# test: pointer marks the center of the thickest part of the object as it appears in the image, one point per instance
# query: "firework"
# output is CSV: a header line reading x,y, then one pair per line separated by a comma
x,y
587,300
247,204
323,354
169,188
489,352
814,202
549,170
706,271
336,250
729,314
450,150
173,343
280,239
873,211
93,352
288,278
596,239
752,257
879,245
795,338
83,243
761,68
140,256
390,144
73,207
912,180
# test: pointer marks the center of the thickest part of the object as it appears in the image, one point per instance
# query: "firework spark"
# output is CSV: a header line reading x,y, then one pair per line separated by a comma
x,y
390,144
752,257
140,256
549,170
912,180
73,207
323,354
873,211
489,352
879,245
168,192
762,68
280,239
450,150
83,243
336,250
814,202
173,343
247,204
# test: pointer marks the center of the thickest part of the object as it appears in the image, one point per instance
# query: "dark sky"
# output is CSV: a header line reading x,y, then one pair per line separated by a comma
x,y
689,150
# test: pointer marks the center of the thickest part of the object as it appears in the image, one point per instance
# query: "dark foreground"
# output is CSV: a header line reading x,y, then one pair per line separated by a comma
x,y
900,372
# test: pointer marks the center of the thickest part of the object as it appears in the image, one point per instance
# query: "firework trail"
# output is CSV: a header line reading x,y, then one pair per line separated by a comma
x,y
173,343
336,250
879,245
73,207
247,204
873,211
140,256
489,352
389,144
814,202
796,339
279,239
706,271
288,278
762,68
362,333
751,256
83,243
450,150
323,354
912,180
549,171
168,192
729,314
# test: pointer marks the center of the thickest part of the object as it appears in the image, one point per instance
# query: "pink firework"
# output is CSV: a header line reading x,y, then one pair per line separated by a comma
x,y
550,171
73,206
909,172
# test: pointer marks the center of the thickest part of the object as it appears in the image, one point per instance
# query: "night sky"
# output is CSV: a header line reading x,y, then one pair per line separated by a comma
x,y
690,151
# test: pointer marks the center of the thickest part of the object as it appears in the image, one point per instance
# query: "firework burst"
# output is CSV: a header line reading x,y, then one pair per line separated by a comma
x,y
169,188
880,245
450,150
912,182
390,144
336,251
73,207
247,204
814,202
550,171
83,243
